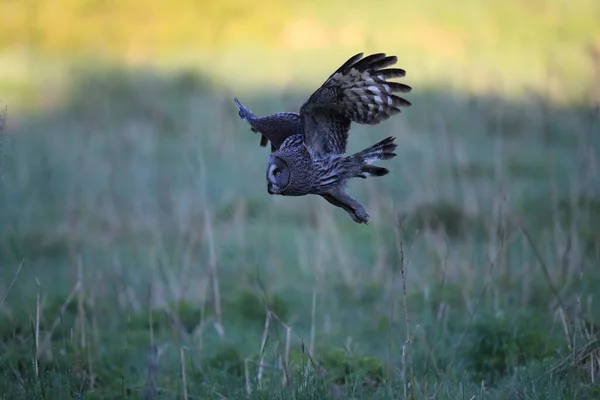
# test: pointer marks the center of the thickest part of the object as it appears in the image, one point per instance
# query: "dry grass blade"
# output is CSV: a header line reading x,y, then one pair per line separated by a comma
x,y
214,273
12,282
48,339
37,329
551,286
183,373
150,390
263,344
3,141
406,349
586,359
248,386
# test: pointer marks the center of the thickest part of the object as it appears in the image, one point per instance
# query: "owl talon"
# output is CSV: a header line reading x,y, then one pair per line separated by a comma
x,y
360,216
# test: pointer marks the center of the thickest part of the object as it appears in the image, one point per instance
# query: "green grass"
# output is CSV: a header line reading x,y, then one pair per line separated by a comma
x,y
129,200
141,257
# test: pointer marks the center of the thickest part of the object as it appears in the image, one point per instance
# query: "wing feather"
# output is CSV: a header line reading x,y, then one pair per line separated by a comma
x,y
358,91
273,128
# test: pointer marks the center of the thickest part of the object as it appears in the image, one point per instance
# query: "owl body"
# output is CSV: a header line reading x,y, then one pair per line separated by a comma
x,y
308,148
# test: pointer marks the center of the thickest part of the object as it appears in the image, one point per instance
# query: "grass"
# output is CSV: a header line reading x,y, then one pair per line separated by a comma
x,y
148,260
140,255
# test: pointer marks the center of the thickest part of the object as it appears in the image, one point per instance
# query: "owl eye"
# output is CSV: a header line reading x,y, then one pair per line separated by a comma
x,y
276,171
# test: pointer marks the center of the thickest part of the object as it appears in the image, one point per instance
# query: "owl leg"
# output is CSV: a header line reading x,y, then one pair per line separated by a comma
x,y
340,198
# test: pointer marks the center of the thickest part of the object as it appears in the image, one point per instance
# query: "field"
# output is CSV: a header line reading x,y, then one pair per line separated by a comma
x,y
141,256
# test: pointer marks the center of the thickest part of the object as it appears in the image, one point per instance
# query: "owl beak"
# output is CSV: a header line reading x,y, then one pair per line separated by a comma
x,y
273,189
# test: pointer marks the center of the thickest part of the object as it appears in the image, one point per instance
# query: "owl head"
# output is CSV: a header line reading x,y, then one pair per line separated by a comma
x,y
278,175
290,172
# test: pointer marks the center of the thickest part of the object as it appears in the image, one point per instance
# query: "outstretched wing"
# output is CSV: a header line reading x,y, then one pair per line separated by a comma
x,y
274,128
358,92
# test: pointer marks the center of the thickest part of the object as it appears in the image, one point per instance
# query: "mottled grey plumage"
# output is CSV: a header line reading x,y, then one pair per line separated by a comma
x,y
308,148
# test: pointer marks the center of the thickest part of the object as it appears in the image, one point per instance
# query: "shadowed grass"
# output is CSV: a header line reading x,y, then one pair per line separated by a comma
x,y
137,197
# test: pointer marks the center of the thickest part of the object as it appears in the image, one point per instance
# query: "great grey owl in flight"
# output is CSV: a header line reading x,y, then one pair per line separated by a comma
x,y
308,148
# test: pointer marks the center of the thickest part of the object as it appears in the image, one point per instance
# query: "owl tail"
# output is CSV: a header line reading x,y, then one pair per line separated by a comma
x,y
383,150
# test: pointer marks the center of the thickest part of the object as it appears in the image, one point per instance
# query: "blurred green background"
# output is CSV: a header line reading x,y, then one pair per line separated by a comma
x,y
468,45
134,214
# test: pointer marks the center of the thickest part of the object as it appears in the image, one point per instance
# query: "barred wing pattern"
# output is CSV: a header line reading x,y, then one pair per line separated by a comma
x,y
358,92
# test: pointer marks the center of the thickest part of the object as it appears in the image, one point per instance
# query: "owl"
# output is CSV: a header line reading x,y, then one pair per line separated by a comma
x,y
308,149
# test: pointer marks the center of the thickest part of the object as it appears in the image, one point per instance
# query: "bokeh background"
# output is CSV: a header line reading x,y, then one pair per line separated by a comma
x,y
140,254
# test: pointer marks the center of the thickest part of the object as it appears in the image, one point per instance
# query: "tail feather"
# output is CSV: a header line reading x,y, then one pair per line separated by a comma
x,y
363,93
383,150
374,170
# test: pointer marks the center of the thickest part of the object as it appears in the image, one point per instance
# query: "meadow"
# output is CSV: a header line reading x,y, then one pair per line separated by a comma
x,y
141,256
